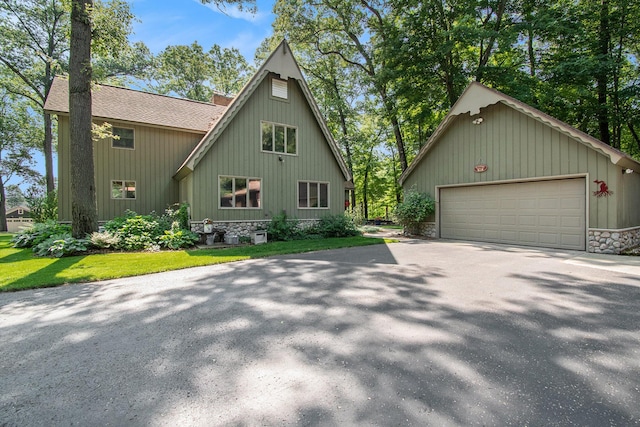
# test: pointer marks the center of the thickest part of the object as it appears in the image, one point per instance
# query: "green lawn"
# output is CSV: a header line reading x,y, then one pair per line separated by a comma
x,y
20,269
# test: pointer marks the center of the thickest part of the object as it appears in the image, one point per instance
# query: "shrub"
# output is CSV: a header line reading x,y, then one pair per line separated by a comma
x,y
43,207
105,240
38,233
414,210
339,225
282,228
60,245
177,238
138,232
179,212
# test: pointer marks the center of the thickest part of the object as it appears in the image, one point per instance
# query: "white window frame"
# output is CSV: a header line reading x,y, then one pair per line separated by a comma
x,y
248,178
273,137
123,183
279,87
114,141
313,182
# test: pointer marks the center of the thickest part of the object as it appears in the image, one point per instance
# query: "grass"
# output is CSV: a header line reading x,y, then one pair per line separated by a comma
x,y
20,269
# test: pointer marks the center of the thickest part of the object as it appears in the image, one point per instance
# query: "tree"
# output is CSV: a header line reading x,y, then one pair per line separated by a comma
x,y
83,192
19,136
191,73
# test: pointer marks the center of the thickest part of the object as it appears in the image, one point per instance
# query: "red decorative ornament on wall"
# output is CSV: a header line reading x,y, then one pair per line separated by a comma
x,y
603,189
480,168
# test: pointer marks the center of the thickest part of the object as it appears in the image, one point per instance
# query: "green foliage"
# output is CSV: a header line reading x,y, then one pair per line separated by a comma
x,y
105,240
38,233
414,210
179,212
60,245
283,228
177,238
339,225
44,207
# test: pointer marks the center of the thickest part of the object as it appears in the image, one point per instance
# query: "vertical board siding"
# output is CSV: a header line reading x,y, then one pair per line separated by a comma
x,y
238,152
515,146
156,156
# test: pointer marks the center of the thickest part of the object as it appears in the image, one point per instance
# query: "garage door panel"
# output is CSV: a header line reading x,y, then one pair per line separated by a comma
x,y
540,213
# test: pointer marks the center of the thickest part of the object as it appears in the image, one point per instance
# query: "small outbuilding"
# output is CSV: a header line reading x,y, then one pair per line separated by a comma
x,y
502,171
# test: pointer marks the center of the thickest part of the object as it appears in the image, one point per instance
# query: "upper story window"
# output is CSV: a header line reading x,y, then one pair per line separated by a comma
x,y
279,138
279,88
124,140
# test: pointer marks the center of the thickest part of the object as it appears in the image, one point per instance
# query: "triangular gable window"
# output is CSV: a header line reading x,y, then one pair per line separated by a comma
x,y
279,88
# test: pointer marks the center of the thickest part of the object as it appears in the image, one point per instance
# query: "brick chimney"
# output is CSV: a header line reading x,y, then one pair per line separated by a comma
x,y
219,99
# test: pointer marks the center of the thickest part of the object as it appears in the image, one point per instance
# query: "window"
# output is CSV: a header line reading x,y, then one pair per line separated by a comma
x,y
239,192
123,189
279,89
125,138
279,138
313,195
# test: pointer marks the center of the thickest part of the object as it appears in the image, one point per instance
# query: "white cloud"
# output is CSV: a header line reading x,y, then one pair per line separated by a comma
x,y
235,12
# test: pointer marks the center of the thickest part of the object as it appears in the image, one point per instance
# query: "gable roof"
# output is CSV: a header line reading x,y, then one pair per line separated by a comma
x,y
282,62
477,96
117,103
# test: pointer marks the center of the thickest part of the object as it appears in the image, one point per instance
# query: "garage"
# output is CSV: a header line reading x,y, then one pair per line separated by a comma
x,y
550,214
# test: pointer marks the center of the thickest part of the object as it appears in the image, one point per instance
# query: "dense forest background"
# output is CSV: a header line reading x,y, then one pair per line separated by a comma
x,y
384,72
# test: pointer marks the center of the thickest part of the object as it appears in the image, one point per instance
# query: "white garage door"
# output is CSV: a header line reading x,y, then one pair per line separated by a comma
x,y
548,214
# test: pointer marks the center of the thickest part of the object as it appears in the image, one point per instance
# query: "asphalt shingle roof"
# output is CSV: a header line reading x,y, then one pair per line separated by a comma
x,y
117,103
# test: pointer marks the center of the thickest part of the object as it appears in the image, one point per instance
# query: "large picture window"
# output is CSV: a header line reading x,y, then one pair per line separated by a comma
x,y
279,138
313,195
239,192
124,138
123,189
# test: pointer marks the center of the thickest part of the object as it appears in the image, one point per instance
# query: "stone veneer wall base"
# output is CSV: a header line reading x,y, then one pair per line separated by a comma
x,y
603,241
244,228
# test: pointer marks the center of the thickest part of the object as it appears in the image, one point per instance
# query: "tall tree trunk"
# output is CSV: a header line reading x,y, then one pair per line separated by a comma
x,y
601,78
83,191
48,154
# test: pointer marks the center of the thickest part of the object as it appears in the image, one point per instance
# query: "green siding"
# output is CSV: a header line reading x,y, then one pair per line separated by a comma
x,y
515,146
238,152
157,155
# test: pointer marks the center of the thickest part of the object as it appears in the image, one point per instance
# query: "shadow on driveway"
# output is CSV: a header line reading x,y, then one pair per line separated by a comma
x,y
414,333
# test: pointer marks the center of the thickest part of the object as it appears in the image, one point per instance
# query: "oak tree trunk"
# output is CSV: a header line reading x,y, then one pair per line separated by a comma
x,y
83,191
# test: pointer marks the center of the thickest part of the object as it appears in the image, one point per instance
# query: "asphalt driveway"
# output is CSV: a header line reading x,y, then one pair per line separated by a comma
x,y
412,333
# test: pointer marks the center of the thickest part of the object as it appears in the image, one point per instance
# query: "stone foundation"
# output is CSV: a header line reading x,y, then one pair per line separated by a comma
x,y
428,229
602,241
244,228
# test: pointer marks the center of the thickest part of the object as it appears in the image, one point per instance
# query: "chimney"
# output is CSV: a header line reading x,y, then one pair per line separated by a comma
x,y
219,99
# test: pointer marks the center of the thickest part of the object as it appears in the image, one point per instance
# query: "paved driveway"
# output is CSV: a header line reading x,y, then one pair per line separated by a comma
x,y
413,333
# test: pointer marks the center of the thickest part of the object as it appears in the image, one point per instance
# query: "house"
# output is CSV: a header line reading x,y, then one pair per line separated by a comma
x,y
502,171
17,218
237,162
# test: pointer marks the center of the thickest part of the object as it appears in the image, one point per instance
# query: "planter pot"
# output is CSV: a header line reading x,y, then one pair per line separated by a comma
x,y
210,239
208,228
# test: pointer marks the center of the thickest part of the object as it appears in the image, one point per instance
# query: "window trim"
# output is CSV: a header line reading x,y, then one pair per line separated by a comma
x,y
234,177
123,182
273,137
313,182
133,139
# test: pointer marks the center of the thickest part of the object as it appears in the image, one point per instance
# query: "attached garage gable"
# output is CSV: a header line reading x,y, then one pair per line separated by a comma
x,y
535,213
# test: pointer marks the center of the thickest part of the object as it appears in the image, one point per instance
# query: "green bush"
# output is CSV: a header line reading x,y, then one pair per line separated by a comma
x,y
339,225
414,210
282,228
60,245
177,238
138,232
105,240
179,212
43,207
38,233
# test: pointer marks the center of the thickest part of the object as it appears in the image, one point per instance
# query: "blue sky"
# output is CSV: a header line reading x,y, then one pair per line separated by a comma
x,y
171,22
